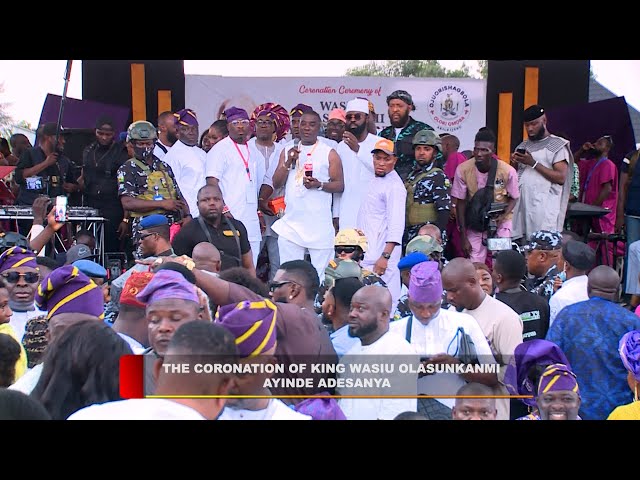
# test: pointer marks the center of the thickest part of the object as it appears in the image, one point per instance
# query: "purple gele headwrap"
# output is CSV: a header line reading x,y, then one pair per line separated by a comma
x,y
68,290
275,112
252,323
525,356
629,349
168,284
425,285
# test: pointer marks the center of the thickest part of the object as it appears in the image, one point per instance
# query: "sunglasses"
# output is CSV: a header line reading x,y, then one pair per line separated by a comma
x,y
345,249
273,286
142,237
355,116
14,277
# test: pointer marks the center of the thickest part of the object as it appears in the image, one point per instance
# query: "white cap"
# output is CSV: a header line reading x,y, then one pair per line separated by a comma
x,y
358,105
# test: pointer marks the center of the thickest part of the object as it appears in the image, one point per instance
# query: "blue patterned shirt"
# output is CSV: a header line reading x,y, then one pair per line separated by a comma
x,y
588,333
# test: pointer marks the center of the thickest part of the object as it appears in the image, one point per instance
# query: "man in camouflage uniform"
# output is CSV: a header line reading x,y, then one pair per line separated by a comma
x,y
543,252
146,184
423,248
350,244
402,130
428,188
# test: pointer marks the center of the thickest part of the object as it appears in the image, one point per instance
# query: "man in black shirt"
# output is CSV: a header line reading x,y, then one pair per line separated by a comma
x,y
99,181
229,236
509,268
43,171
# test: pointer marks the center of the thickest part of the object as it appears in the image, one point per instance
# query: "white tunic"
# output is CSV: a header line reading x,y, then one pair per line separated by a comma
x,y
388,349
381,218
307,221
239,189
187,164
138,409
572,291
358,174
439,336
276,410
159,152
542,204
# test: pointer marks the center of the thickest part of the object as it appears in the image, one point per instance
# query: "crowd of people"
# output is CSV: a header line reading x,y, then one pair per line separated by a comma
x,y
274,238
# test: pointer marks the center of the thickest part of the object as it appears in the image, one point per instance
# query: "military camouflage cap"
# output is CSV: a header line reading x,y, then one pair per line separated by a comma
x,y
545,240
338,269
351,237
427,137
425,244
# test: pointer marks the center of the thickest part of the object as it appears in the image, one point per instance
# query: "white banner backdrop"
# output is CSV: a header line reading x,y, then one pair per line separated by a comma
x,y
453,105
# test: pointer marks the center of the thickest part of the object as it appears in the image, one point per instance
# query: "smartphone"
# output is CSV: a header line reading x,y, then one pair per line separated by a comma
x,y
61,209
521,150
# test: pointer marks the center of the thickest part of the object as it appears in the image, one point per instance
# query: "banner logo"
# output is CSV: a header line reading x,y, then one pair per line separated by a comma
x,y
449,106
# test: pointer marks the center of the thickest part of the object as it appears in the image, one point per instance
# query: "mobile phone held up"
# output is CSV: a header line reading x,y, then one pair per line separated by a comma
x,y
61,209
521,150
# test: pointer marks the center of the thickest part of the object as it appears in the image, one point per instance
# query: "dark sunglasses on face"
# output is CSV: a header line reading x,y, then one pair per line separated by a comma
x,y
355,116
14,277
273,286
345,249
145,235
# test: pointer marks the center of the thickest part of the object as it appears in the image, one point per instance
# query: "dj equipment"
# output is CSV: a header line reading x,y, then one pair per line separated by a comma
x,y
90,218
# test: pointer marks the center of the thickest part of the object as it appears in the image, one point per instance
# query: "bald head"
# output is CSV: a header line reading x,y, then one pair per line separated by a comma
x,y
431,230
376,296
462,287
206,257
603,282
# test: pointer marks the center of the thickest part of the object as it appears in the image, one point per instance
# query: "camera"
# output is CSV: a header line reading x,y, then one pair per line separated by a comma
x,y
493,242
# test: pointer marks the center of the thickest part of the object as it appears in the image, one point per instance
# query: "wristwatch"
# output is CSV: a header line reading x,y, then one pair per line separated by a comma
x,y
321,187
386,255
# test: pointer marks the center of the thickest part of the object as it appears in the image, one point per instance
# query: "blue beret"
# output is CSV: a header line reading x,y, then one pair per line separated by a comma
x,y
153,221
414,258
91,269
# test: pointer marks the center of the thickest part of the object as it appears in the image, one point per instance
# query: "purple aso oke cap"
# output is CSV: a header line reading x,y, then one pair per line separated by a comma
x,y
321,408
17,257
168,284
299,110
252,323
527,355
186,117
68,290
629,350
425,285
235,113
556,378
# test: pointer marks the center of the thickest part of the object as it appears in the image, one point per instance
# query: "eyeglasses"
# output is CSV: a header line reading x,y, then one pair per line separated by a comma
x,y
356,116
14,277
143,236
237,123
345,249
264,123
273,286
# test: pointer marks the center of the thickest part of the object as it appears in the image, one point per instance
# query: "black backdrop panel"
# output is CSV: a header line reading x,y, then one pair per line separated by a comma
x,y
560,83
109,81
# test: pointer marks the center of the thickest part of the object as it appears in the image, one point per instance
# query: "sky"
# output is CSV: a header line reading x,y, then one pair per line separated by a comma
x,y
27,82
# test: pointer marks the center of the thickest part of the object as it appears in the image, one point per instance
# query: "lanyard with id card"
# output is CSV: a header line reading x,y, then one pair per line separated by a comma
x,y
251,194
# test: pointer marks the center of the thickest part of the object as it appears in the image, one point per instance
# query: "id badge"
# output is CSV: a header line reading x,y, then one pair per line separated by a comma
x,y
252,196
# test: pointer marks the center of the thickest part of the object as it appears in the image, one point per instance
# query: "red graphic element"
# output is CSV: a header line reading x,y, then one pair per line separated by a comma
x,y
132,376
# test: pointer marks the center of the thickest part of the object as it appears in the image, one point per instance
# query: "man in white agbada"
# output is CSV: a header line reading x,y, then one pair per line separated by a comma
x,y
436,335
382,217
357,163
193,343
312,172
186,159
238,170
253,324
543,177
369,321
